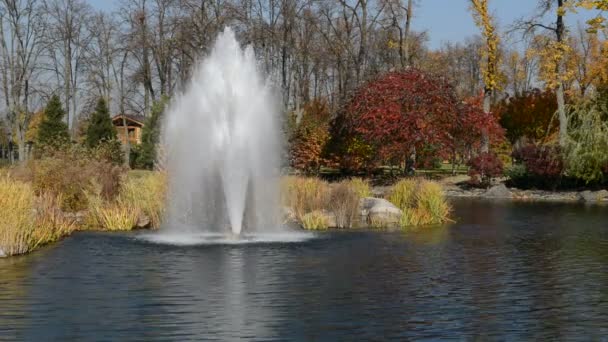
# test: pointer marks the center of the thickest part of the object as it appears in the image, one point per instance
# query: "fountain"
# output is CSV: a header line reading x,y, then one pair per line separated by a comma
x,y
222,140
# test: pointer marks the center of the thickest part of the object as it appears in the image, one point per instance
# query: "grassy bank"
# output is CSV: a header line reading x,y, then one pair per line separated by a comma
x,y
316,204
42,202
28,221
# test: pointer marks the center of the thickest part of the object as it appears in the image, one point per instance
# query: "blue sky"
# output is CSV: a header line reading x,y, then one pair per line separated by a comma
x,y
450,20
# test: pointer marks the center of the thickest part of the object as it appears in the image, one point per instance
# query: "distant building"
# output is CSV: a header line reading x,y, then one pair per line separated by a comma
x,y
134,125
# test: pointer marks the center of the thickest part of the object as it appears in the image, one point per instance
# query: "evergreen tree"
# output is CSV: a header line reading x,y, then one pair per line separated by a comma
x,y
145,155
52,130
100,127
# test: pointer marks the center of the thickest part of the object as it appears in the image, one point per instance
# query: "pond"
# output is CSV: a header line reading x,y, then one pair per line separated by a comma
x,y
505,271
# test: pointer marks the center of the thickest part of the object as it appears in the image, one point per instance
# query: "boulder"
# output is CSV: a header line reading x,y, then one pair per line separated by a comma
x,y
380,212
593,196
2,254
143,221
288,214
602,195
498,191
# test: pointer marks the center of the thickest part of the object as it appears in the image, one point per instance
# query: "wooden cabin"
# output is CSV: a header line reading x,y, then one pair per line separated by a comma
x,y
134,125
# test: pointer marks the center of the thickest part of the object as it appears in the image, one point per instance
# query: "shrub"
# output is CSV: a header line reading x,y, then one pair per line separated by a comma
x,y
517,173
344,203
543,165
422,202
69,173
308,136
586,149
485,167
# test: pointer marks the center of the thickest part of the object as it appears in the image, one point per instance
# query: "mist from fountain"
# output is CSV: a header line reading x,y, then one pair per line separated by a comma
x,y
222,141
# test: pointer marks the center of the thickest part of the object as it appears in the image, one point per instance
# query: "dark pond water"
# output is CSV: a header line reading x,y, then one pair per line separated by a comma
x,y
504,272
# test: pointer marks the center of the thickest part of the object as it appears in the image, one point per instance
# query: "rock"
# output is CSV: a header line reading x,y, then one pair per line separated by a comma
x,y
602,195
288,214
593,196
2,254
380,212
498,191
143,221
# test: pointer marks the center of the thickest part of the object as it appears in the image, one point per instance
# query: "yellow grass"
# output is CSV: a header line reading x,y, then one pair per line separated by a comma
x,y
315,220
304,194
423,202
146,191
28,221
142,193
360,186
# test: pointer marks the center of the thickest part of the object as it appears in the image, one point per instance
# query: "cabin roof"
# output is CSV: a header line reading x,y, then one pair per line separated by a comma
x,y
138,119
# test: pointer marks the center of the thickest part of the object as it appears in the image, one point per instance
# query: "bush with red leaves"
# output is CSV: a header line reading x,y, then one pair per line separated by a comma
x,y
484,168
543,163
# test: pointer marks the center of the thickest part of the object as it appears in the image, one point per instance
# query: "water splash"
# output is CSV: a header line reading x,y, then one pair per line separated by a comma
x,y
223,145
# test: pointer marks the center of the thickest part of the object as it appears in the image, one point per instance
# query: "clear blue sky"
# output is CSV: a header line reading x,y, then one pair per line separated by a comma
x,y
450,20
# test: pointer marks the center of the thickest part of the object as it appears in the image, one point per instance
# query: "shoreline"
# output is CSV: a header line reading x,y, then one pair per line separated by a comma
x,y
518,195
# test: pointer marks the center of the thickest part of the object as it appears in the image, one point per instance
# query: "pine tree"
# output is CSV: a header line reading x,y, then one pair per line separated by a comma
x,y
100,127
150,136
52,130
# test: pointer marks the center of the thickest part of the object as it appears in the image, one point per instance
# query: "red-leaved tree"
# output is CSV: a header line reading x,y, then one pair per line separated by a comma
x,y
402,112
467,129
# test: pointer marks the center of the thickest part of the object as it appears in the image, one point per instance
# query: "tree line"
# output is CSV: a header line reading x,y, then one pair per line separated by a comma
x,y
144,50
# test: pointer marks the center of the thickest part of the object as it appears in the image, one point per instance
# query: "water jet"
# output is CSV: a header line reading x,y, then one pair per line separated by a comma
x,y
222,140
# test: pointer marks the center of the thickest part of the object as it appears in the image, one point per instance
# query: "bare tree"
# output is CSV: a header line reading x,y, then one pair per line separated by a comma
x,y
20,35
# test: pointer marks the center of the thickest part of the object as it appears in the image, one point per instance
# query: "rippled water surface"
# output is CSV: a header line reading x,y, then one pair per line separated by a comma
x,y
503,272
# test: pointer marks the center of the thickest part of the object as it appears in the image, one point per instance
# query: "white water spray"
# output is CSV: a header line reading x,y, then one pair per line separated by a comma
x,y
223,145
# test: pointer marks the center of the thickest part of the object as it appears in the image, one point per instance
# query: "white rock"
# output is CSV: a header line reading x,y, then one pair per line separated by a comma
x,y
380,211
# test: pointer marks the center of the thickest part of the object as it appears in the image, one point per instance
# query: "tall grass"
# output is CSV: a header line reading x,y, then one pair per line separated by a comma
x,y
304,194
28,221
146,191
315,220
16,218
313,200
141,194
360,186
422,202
344,203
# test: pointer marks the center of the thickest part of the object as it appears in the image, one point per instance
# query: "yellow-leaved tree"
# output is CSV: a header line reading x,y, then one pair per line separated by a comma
x,y
599,22
490,61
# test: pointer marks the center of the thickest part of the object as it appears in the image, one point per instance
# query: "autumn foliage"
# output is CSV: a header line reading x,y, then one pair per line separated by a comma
x,y
530,115
402,111
309,133
409,112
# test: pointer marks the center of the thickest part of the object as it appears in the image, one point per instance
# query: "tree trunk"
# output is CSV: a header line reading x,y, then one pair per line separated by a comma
x,y
408,23
485,139
561,110
561,103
